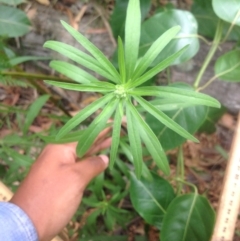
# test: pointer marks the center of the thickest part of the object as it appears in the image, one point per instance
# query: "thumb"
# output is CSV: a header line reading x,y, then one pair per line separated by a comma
x,y
91,167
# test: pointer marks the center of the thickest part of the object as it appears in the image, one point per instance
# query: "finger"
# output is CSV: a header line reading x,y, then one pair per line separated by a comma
x,y
101,146
90,168
102,135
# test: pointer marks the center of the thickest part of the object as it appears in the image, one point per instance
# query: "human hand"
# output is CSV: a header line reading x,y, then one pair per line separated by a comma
x,y
53,189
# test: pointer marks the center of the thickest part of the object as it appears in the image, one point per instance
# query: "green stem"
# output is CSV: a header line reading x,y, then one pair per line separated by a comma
x,y
180,170
188,184
33,76
216,42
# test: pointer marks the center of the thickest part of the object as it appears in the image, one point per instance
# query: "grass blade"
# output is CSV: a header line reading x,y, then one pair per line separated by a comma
x,y
91,133
83,114
177,94
121,60
116,134
150,140
91,48
165,119
79,57
154,50
73,72
102,87
158,68
135,142
132,35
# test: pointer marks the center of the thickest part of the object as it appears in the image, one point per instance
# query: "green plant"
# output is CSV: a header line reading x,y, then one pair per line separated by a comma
x,y
123,90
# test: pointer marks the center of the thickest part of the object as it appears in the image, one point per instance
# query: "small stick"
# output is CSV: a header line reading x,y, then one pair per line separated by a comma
x,y
6,195
230,199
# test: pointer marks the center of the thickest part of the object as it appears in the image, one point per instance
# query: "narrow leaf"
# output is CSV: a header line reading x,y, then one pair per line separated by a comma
x,y
121,60
73,72
91,48
33,111
18,60
83,114
102,87
135,142
150,140
91,133
176,94
158,68
132,35
165,119
116,134
79,57
154,50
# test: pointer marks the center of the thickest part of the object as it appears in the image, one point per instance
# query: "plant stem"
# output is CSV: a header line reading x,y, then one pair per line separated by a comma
x,y
180,170
216,42
33,76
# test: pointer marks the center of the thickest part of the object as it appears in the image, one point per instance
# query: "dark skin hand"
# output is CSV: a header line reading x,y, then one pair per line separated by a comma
x,y
53,189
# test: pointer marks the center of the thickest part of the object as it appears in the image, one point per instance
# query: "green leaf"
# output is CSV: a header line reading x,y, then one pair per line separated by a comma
x,y
116,134
102,87
33,111
135,141
13,22
79,57
12,2
164,119
91,48
132,35
159,23
91,133
121,60
174,93
155,50
117,20
22,59
83,114
188,217
158,68
73,72
227,67
213,115
227,10
150,140
151,198
190,118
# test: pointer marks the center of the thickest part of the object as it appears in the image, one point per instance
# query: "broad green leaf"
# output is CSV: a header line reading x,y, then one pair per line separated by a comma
x,y
121,60
12,2
22,59
213,115
117,20
208,20
155,50
116,134
135,141
132,35
83,114
91,48
73,72
151,198
102,87
227,10
13,22
227,67
188,217
150,140
91,133
79,57
190,118
158,68
33,111
176,94
159,23
164,119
